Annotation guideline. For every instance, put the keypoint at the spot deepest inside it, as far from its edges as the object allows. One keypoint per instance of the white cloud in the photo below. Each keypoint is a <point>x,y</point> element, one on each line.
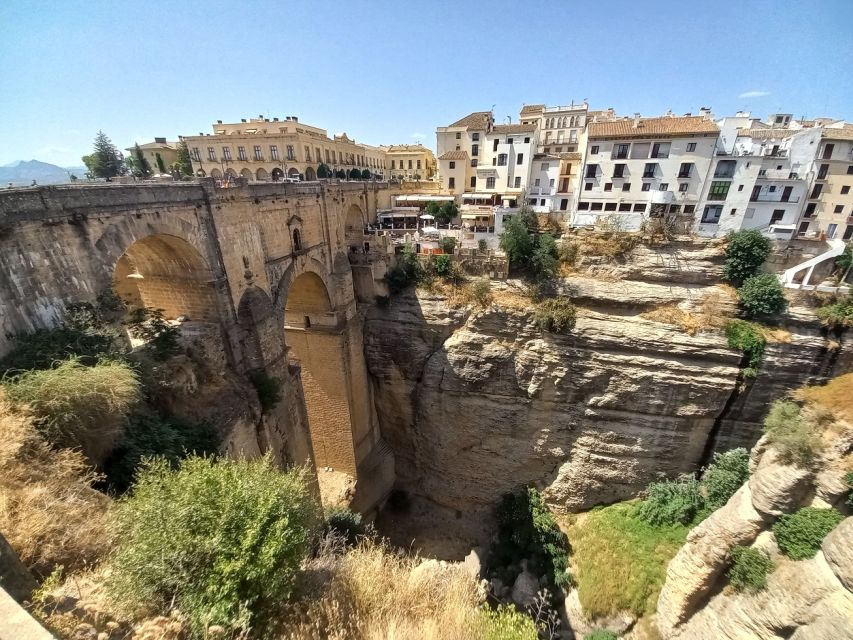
<point>754,94</point>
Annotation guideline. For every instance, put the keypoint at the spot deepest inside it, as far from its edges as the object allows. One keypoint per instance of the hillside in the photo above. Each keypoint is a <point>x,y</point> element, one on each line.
<point>23,172</point>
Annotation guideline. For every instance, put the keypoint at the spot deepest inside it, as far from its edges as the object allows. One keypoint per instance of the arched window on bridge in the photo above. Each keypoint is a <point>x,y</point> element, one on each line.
<point>297,241</point>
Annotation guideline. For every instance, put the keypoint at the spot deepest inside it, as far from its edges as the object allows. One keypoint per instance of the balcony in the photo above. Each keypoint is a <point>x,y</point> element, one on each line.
<point>777,153</point>
<point>773,174</point>
<point>662,197</point>
<point>726,175</point>
<point>772,197</point>
<point>684,174</point>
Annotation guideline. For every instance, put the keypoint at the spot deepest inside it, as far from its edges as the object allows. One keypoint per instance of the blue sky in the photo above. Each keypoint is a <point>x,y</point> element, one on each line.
<point>390,72</point>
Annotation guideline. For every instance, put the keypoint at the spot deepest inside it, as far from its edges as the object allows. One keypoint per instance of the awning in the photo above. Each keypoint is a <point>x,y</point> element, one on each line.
<point>479,196</point>
<point>476,216</point>
<point>423,198</point>
<point>427,216</point>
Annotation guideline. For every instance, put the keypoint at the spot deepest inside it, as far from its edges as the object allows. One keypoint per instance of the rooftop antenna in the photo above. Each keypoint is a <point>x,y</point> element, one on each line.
<point>509,119</point>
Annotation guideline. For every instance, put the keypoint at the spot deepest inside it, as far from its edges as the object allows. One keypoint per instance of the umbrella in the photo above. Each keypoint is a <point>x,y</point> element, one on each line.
<point>429,230</point>
<point>427,216</point>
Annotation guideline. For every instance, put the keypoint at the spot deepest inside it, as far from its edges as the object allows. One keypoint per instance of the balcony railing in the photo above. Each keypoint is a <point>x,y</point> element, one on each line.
<point>728,175</point>
<point>778,175</point>
<point>683,174</point>
<point>775,198</point>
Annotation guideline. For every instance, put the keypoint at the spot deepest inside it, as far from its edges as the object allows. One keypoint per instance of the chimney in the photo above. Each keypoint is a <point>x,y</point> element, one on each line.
<point>636,120</point>
<point>275,119</point>
<point>219,122</point>
<point>294,118</point>
<point>160,140</point>
<point>261,116</point>
<point>242,119</point>
<point>705,111</point>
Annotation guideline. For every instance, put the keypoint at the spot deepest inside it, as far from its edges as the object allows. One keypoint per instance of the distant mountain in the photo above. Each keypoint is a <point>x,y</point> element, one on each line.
<point>23,172</point>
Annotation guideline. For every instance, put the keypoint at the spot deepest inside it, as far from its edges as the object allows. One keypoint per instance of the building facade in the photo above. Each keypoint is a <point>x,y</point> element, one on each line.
<point>166,151</point>
<point>560,128</point>
<point>635,168</point>
<point>273,149</point>
<point>829,206</point>
<point>409,161</point>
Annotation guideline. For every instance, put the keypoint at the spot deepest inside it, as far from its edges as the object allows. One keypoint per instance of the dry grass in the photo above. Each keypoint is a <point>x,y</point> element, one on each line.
<point>713,311</point>
<point>377,594</point>
<point>671,314</point>
<point>513,299</point>
<point>835,396</point>
<point>48,510</point>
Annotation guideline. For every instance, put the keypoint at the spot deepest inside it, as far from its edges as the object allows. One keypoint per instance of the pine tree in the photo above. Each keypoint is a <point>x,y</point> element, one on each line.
<point>138,162</point>
<point>184,161</point>
<point>105,161</point>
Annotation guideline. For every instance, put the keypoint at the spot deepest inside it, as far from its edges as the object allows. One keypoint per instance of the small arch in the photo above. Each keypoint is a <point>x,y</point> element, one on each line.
<point>293,172</point>
<point>297,240</point>
<point>277,174</point>
<point>231,173</point>
<point>261,174</point>
<point>310,174</point>
<point>216,174</point>
<point>259,331</point>
<point>247,174</point>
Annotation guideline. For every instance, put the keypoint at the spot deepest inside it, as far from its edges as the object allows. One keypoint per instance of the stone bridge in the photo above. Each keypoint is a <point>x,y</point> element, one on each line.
<point>261,268</point>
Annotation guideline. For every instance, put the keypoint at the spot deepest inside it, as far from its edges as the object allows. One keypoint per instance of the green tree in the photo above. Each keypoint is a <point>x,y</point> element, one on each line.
<point>762,295</point>
<point>185,164</point>
<point>354,174</point>
<point>746,252</point>
<point>73,178</point>
<point>447,213</point>
<point>323,171</point>
<point>139,166</point>
<point>800,534</point>
<point>161,166</point>
<point>516,241</point>
<point>447,244</point>
<point>105,161</point>
<point>545,258</point>
<point>433,208</point>
<point>365,174</point>
<point>340,174</point>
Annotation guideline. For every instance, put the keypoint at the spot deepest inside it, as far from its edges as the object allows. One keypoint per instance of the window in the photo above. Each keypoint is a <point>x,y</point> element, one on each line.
<point>527,141</point>
<point>762,173</point>
<point>495,145</point>
<point>640,206</point>
<point>226,153</point>
<point>452,165</point>
<point>649,170</point>
<point>475,137</point>
<point>719,190</point>
<point>750,213</point>
<point>517,182</point>
<point>211,154</point>
<point>610,206</point>
<point>827,151</point>
<point>821,173</point>
<point>691,146</point>
<point>664,186</point>
<point>594,149</point>
<point>475,150</point>
<point>308,154</point>
<point>458,135</point>
<point>620,151</point>
<point>689,208</point>
<point>675,208</point>
<point>845,190</point>
<point>551,182</point>
<point>490,183</point>
<point>591,170</point>
<point>536,182</point>
<point>772,189</point>
<point>810,207</point>
<point>393,167</point>
<point>587,186</point>
<point>451,183</point>
<point>519,159</point>
<point>608,186</point>
<point>410,164</point>
<point>625,206</point>
<point>419,164</point>
<point>685,169</point>
<point>712,214</point>
<point>626,186</point>
<point>619,171</point>
<point>473,182</point>
<point>327,156</point>
<point>850,169</point>
<point>583,206</point>
<point>291,154</point>
<point>258,155</point>
<point>274,152</point>
<point>683,187</point>
<point>564,204</point>
<point>545,166</point>
<point>830,230</point>
<point>777,216</point>
<point>474,162</point>
<point>647,186</point>
<point>297,240</point>
<point>502,159</point>
<point>740,187</point>
<point>596,206</point>
<point>725,169</point>
<point>816,191</point>
<point>509,140</point>
<point>839,208</point>
<point>660,150</point>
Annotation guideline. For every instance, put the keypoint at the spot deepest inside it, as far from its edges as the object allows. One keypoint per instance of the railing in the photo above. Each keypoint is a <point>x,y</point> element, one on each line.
<point>773,174</point>
<point>774,198</point>
<point>726,175</point>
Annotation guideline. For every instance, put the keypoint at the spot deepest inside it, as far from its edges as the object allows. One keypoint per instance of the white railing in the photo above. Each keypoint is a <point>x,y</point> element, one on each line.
<point>836,248</point>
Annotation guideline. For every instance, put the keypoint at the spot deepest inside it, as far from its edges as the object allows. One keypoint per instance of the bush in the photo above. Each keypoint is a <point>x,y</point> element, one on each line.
<point>221,540</point>
<point>527,530</point>
<point>481,291</point>
<point>747,337</point>
<point>799,535</point>
<point>79,406</point>
<point>516,242</point>
<point>482,245</point>
<point>151,327</point>
<point>601,634</point>
<point>345,523</point>
<point>365,174</point>
<point>724,476</point>
<point>790,434</point>
<point>568,252</point>
<point>556,315</point>
<point>838,314</point>
<point>505,623</point>
<point>407,272</point>
<point>849,480</point>
<point>746,252</point>
<point>443,266</point>
<point>149,436</point>
<point>762,295</point>
<point>544,258</point>
<point>447,244</point>
<point>749,569</point>
<point>672,502</point>
<point>268,389</point>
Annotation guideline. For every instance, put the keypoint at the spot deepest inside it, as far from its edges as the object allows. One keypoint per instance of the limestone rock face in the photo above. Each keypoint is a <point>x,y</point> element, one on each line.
<point>777,488</point>
<point>524,589</point>
<point>838,550</point>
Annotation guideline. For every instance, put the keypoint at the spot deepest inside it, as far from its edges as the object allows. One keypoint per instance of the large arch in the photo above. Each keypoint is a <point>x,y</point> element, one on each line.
<point>216,174</point>
<point>231,173</point>
<point>277,174</point>
<point>293,172</point>
<point>310,174</point>
<point>247,173</point>
<point>262,174</point>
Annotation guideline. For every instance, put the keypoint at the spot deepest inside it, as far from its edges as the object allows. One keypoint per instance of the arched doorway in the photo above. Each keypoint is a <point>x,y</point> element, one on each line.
<point>310,174</point>
<point>216,174</point>
<point>262,174</point>
<point>354,227</point>
<point>247,174</point>
<point>293,172</point>
<point>277,174</point>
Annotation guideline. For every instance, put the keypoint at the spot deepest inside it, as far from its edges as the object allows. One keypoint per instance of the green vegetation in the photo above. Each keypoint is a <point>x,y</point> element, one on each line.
<point>620,559</point>
<point>147,436</point>
<point>78,406</point>
<point>407,272</point>
<point>748,338</point>
<point>672,502</point>
<point>221,540</point>
<point>446,213</point>
<point>601,634</point>
<point>516,242</point>
<point>845,260</point>
<point>568,252</point>
<point>481,291</point>
<point>105,161</point>
<point>799,535</point>
<point>482,245</point>
<point>184,164</point>
<point>527,531</point>
<point>443,265</point>
<point>160,337</point>
<point>161,166</point>
<point>544,259</point>
<point>762,295</point>
<point>556,315</point>
<point>344,522</point>
<point>138,164</point>
<point>447,244</point>
<point>340,174</point>
<point>505,623</point>
<point>723,477</point>
<point>838,314</point>
<point>746,252</point>
<point>268,389</point>
<point>749,569</point>
<point>365,174</point>
<point>790,433</point>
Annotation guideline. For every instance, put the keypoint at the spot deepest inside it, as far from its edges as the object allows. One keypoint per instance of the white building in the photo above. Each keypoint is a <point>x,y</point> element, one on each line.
<point>638,167</point>
<point>560,128</point>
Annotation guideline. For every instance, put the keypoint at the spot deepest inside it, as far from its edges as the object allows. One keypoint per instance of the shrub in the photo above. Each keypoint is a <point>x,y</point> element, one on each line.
<point>749,569</point>
<point>345,523</point>
<point>838,314</point>
<point>556,315</point>
<point>481,291</point>
<point>790,434</point>
<point>762,295</point>
<point>544,258</point>
<point>149,436</point>
<point>505,623</point>
<point>49,512</point>
<point>672,502</point>
<point>151,327</point>
<point>568,252</point>
<point>746,252</point>
<point>221,540</point>
<point>268,389</point>
<point>407,272</point>
<point>527,530</point>
<point>747,337</point>
<point>799,535</point>
<point>443,265</point>
<point>78,406</point>
<point>601,634</point>
<point>365,174</point>
<point>516,242</point>
<point>482,245</point>
<point>845,260</point>
<point>724,476</point>
<point>849,480</point>
<point>447,244</point>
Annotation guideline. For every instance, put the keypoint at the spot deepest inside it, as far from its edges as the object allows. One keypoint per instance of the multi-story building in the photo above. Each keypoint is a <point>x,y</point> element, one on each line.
<point>560,128</point>
<point>640,167</point>
<point>167,152</point>
<point>459,147</point>
<point>829,206</point>
<point>758,177</point>
<point>272,149</point>
<point>409,161</point>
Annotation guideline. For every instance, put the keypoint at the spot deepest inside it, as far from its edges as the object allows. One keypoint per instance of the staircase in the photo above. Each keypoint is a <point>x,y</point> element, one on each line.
<point>836,248</point>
